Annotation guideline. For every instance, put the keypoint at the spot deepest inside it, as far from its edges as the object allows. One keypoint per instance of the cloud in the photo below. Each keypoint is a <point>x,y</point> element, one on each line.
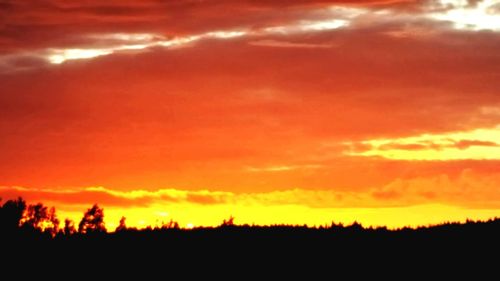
<point>73,197</point>
<point>89,45</point>
<point>113,198</point>
<point>198,116</point>
<point>411,146</point>
<point>285,44</point>
<point>469,189</point>
<point>466,189</point>
<point>476,144</point>
<point>429,145</point>
<point>283,168</point>
<point>465,144</point>
<point>60,32</point>
<point>220,106</point>
<point>470,15</point>
<point>37,23</point>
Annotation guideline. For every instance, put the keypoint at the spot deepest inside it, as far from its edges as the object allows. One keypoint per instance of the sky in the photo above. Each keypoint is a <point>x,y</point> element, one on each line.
<point>385,112</point>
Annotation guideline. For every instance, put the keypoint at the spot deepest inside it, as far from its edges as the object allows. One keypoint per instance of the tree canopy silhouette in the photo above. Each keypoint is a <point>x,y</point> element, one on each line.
<point>11,214</point>
<point>92,221</point>
<point>41,218</point>
<point>69,227</point>
<point>228,223</point>
<point>122,226</point>
<point>275,242</point>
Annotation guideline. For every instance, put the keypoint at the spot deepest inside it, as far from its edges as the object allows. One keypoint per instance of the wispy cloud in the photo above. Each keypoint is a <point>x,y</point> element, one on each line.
<point>282,168</point>
<point>286,44</point>
<point>474,144</point>
<point>483,15</point>
<point>468,189</point>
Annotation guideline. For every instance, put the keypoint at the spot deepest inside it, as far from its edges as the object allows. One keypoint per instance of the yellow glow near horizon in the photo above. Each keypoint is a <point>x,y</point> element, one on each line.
<point>189,215</point>
<point>484,146</point>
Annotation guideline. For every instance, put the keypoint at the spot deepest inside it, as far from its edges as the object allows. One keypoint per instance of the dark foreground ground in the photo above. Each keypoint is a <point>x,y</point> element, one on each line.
<point>451,248</point>
<point>34,242</point>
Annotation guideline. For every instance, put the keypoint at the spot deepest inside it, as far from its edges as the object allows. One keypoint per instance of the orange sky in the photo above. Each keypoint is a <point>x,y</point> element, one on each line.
<point>385,112</point>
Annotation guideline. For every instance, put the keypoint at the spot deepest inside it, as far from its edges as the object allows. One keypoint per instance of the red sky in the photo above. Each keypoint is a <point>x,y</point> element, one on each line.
<point>202,109</point>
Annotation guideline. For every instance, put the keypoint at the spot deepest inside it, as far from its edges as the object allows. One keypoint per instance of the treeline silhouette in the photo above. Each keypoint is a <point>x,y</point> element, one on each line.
<point>34,229</point>
<point>17,217</point>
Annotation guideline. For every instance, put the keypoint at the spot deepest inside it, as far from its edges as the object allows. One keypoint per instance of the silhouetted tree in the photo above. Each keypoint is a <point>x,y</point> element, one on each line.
<point>122,226</point>
<point>41,218</point>
<point>92,221</point>
<point>11,214</point>
<point>228,222</point>
<point>69,227</point>
<point>53,227</point>
<point>355,227</point>
<point>170,225</point>
<point>35,216</point>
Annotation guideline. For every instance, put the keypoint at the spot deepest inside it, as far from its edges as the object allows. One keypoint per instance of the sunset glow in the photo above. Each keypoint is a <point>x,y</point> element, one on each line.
<point>293,112</point>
